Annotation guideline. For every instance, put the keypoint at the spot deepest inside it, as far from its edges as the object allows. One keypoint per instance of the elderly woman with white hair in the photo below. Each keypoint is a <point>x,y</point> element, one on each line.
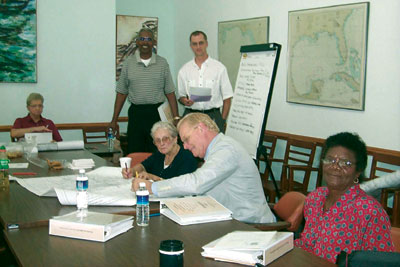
<point>169,161</point>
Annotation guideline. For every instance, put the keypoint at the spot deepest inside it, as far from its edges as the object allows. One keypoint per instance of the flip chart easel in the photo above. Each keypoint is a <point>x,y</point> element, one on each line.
<point>252,98</point>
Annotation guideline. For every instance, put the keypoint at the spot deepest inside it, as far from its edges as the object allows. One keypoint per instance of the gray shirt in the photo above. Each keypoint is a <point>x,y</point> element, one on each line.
<point>145,84</point>
<point>230,176</point>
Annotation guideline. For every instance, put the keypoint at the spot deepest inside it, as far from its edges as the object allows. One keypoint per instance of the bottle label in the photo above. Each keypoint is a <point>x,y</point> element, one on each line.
<point>4,163</point>
<point>82,185</point>
<point>142,200</point>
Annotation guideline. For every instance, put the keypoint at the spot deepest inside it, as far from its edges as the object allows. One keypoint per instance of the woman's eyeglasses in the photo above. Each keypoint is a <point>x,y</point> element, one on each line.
<point>165,139</point>
<point>343,163</point>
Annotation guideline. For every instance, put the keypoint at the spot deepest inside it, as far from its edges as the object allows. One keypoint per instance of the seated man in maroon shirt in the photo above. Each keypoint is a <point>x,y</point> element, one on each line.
<point>34,122</point>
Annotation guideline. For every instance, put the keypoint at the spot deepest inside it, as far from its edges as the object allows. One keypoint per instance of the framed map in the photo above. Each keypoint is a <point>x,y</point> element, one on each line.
<point>327,56</point>
<point>235,33</point>
<point>18,41</point>
<point>128,28</point>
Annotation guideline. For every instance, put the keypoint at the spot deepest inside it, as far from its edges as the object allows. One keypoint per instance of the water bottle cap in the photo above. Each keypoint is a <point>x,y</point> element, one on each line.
<point>81,171</point>
<point>142,184</point>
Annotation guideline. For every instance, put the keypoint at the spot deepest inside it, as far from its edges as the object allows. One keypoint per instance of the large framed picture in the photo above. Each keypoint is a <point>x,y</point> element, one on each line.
<point>235,33</point>
<point>18,41</point>
<point>327,50</point>
<point>128,28</point>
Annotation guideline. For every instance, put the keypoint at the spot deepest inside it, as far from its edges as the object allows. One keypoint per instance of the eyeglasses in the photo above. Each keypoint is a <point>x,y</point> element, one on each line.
<point>164,139</point>
<point>186,139</point>
<point>36,106</point>
<point>147,39</point>
<point>343,163</point>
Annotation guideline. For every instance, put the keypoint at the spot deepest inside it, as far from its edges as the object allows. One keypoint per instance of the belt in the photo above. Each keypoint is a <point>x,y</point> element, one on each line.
<point>204,110</point>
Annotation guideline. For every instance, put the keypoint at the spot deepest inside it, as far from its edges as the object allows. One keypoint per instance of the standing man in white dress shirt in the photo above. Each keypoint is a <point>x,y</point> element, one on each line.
<point>208,73</point>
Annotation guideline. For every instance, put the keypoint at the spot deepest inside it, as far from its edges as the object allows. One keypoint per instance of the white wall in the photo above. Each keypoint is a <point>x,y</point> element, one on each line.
<point>76,64</point>
<point>378,125</point>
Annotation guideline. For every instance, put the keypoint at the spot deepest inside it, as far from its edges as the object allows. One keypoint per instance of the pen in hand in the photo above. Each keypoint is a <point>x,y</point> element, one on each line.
<point>137,174</point>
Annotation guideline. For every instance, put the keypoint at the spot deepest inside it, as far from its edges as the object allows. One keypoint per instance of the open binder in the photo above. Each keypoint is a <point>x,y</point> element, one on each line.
<point>249,247</point>
<point>193,210</point>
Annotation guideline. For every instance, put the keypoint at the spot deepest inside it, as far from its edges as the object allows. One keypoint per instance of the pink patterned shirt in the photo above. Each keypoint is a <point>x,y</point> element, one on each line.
<point>355,222</point>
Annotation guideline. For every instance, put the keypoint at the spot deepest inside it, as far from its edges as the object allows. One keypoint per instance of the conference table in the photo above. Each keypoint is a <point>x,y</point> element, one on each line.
<point>33,246</point>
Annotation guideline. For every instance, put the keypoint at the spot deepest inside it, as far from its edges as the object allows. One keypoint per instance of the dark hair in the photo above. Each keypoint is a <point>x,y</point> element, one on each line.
<point>352,142</point>
<point>195,33</point>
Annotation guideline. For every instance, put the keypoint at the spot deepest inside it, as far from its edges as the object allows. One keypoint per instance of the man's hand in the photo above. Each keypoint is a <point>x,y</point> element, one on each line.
<point>40,129</point>
<point>135,184</point>
<point>113,125</point>
<point>186,101</point>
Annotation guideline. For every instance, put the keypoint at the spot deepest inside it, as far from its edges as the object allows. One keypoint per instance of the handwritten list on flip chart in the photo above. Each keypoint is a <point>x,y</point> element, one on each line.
<point>250,98</point>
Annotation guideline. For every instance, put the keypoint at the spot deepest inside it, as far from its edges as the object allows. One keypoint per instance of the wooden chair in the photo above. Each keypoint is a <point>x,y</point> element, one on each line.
<point>269,145</point>
<point>96,134</point>
<point>299,157</point>
<point>380,166</point>
<point>289,213</point>
<point>138,157</point>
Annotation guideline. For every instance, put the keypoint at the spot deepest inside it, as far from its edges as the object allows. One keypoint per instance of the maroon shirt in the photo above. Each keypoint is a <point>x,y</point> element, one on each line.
<point>27,122</point>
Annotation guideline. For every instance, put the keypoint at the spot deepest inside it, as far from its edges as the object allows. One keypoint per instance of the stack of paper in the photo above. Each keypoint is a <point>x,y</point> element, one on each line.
<point>94,226</point>
<point>249,248</point>
<point>82,164</point>
<point>192,210</point>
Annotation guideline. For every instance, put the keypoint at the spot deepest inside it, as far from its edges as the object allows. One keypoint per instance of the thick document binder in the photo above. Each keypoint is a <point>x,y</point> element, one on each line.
<point>193,210</point>
<point>95,226</point>
<point>249,247</point>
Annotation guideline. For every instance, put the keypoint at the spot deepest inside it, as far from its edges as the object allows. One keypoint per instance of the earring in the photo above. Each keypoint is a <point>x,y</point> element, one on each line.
<point>356,181</point>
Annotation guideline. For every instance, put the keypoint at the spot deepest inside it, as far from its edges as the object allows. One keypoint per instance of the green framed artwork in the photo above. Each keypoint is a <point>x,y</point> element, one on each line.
<point>127,31</point>
<point>18,41</point>
<point>327,50</point>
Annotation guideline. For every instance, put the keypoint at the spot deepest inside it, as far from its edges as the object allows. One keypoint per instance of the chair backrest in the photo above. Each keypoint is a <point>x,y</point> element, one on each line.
<point>269,144</point>
<point>138,157</point>
<point>383,164</point>
<point>301,153</point>
<point>290,208</point>
<point>96,134</point>
<point>380,164</point>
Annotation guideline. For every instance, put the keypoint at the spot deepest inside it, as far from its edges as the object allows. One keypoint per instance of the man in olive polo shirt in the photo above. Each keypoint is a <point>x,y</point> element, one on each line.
<point>146,80</point>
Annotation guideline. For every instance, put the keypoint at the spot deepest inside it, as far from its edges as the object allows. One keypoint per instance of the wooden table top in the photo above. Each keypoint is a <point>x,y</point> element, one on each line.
<point>137,247</point>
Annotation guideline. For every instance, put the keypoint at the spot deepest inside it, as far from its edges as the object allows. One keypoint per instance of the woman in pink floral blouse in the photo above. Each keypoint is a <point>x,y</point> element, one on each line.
<point>341,216</point>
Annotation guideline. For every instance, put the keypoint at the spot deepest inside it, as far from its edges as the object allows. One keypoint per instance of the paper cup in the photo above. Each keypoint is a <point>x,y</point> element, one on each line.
<point>125,162</point>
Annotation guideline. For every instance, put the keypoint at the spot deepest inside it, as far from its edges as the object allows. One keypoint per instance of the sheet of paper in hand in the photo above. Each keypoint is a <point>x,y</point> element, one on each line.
<point>200,94</point>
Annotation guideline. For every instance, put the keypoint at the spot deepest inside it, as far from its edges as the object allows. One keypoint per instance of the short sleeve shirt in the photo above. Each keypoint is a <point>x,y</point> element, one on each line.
<point>27,122</point>
<point>355,222</point>
<point>212,74</point>
<point>145,84</point>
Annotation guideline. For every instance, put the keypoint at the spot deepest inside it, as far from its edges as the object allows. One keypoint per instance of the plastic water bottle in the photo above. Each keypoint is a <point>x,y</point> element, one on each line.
<point>142,206</point>
<point>110,139</point>
<point>82,184</point>
<point>4,179</point>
